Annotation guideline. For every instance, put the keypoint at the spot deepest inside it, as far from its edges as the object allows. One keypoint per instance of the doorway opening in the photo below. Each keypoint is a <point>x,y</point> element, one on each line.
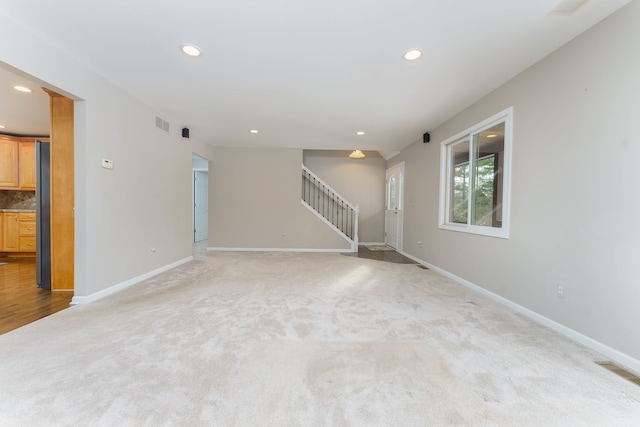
<point>28,119</point>
<point>200,198</point>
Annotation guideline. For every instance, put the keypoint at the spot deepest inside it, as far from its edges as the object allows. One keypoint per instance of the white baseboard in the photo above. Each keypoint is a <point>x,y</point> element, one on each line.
<point>217,249</point>
<point>123,285</point>
<point>372,243</point>
<point>624,360</point>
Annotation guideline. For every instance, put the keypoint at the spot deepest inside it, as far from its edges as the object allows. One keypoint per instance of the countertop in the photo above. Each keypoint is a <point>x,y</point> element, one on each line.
<point>17,210</point>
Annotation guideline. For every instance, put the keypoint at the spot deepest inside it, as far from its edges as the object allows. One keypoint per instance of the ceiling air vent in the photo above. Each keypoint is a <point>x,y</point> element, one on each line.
<point>162,124</point>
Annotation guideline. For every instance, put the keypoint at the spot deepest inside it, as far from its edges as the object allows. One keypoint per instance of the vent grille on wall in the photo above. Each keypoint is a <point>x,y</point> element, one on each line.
<point>162,124</point>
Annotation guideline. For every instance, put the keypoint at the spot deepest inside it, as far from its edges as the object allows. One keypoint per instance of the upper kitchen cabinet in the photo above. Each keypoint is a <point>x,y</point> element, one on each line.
<point>8,162</point>
<point>27,165</point>
<point>18,162</point>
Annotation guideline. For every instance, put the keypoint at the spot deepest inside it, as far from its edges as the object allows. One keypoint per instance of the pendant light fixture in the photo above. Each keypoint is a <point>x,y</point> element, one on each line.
<point>356,154</point>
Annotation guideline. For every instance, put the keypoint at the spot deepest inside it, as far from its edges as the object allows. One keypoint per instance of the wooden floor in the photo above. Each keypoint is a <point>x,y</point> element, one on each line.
<point>21,301</point>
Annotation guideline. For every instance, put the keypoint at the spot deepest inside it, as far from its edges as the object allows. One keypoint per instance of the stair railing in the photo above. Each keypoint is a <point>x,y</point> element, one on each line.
<point>330,206</point>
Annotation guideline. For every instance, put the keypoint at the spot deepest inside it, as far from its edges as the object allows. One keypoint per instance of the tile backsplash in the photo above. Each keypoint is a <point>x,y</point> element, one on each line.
<point>10,199</point>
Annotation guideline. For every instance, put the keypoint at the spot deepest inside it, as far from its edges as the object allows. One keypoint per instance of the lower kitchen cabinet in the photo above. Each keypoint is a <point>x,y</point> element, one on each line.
<point>11,232</point>
<point>27,239</point>
<point>18,232</point>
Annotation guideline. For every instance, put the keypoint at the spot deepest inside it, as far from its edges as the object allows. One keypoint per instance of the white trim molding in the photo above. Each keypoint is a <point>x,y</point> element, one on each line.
<point>127,283</point>
<point>218,249</point>
<point>624,360</point>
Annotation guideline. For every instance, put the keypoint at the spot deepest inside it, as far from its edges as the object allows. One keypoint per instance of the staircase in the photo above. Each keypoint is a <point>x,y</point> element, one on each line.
<point>330,207</point>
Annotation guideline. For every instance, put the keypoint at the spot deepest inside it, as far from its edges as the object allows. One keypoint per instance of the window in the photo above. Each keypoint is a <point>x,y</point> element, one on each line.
<point>475,178</point>
<point>392,203</point>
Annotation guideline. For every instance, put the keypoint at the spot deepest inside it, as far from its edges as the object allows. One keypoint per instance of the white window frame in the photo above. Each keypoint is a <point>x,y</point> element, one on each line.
<point>505,116</point>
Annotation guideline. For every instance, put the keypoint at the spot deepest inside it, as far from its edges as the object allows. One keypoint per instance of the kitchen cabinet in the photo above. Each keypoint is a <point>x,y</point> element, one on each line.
<point>18,163</point>
<point>18,232</point>
<point>11,232</point>
<point>8,162</point>
<point>27,232</point>
<point>27,164</point>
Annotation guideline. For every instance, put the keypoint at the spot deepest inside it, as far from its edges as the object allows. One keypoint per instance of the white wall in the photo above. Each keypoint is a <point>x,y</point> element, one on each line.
<point>145,200</point>
<point>575,204</point>
<point>360,181</point>
<point>255,202</point>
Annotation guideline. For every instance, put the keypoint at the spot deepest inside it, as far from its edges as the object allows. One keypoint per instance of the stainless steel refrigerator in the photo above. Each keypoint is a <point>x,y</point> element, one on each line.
<point>43,215</point>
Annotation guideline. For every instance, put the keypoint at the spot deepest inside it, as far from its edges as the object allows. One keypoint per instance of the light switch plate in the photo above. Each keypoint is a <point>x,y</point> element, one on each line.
<point>107,164</point>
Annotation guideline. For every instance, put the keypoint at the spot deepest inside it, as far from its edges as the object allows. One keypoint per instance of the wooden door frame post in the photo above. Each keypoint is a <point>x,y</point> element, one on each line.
<point>62,192</point>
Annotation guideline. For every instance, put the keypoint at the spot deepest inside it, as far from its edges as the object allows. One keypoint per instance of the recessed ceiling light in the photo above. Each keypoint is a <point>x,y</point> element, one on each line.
<point>360,133</point>
<point>254,131</point>
<point>191,50</point>
<point>22,89</point>
<point>413,54</point>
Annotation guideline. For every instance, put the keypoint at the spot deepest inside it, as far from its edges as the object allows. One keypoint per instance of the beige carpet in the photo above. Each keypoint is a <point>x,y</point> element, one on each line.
<point>280,339</point>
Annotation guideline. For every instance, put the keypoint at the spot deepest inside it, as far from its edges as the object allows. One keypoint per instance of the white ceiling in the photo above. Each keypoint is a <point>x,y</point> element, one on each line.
<point>305,73</point>
<point>22,113</point>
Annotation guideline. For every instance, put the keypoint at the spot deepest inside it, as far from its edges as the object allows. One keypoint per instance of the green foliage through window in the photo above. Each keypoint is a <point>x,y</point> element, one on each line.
<point>483,197</point>
<point>461,194</point>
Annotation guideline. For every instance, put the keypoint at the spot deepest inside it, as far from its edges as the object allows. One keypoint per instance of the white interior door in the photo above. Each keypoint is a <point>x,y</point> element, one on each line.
<point>394,202</point>
<point>200,206</point>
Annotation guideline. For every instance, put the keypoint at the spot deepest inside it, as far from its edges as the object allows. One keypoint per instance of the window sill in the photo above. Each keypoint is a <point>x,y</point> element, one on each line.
<point>500,233</point>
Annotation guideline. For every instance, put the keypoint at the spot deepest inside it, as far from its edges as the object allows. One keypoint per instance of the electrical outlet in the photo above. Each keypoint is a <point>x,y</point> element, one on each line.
<point>560,290</point>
